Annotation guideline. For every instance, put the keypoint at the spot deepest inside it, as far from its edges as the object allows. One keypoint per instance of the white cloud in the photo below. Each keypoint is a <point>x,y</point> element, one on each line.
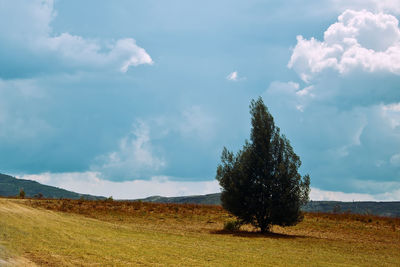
<point>318,194</point>
<point>25,25</point>
<point>360,40</point>
<point>92,183</point>
<point>390,191</point>
<point>121,55</point>
<point>143,152</point>
<point>133,159</point>
<point>322,195</point>
<point>234,77</point>
<point>129,53</point>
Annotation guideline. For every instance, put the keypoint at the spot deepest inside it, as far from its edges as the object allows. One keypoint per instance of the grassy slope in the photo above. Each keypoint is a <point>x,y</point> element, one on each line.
<point>63,232</point>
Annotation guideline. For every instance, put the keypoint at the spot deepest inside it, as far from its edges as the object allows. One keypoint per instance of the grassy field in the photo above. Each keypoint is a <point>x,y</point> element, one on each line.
<point>101,233</point>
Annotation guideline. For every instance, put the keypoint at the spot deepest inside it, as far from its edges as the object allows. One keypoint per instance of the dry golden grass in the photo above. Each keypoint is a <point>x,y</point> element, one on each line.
<point>101,233</point>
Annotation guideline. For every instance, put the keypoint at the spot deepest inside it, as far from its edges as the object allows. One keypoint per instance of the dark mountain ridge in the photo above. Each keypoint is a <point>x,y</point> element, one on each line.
<point>11,186</point>
<point>389,209</point>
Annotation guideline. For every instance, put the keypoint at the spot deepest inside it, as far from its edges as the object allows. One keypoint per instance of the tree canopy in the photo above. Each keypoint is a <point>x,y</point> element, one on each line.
<point>260,183</point>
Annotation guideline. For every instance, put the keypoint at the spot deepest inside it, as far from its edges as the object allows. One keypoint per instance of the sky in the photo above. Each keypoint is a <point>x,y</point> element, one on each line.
<point>131,98</point>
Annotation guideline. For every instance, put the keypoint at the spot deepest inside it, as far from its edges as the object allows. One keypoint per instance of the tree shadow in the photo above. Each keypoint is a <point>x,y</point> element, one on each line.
<point>253,234</point>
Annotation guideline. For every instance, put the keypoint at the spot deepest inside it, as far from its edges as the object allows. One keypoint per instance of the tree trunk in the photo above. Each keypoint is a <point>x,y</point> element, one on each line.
<point>265,228</point>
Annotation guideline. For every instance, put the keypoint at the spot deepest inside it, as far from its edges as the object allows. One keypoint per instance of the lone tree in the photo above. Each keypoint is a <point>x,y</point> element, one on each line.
<point>21,193</point>
<point>261,184</point>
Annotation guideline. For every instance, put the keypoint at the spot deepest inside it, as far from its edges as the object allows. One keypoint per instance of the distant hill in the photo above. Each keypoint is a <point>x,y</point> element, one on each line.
<point>211,199</point>
<point>10,186</point>
<point>390,209</point>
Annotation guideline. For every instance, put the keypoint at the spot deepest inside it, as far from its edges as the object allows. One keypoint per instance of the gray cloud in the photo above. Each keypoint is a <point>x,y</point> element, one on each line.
<point>29,47</point>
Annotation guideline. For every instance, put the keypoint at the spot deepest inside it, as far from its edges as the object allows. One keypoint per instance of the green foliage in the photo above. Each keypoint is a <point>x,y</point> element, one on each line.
<point>21,193</point>
<point>261,184</point>
<point>232,225</point>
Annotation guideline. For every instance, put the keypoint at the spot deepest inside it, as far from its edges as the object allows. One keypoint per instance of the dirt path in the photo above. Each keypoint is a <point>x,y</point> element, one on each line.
<point>17,262</point>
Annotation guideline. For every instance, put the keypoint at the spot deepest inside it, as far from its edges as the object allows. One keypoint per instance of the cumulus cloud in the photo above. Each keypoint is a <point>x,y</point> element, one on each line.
<point>344,120</point>
<point>144,151</point>
<point>360,40</point>
<point>121,54</point>
<point>93,183</point>
<point>135,157</point>
<point>25,29</point>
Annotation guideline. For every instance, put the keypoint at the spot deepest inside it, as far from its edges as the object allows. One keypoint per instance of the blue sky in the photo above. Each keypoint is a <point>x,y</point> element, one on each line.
<point>137,98</point>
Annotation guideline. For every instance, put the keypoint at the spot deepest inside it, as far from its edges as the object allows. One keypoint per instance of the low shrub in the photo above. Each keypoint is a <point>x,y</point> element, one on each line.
<point>232,225</point>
